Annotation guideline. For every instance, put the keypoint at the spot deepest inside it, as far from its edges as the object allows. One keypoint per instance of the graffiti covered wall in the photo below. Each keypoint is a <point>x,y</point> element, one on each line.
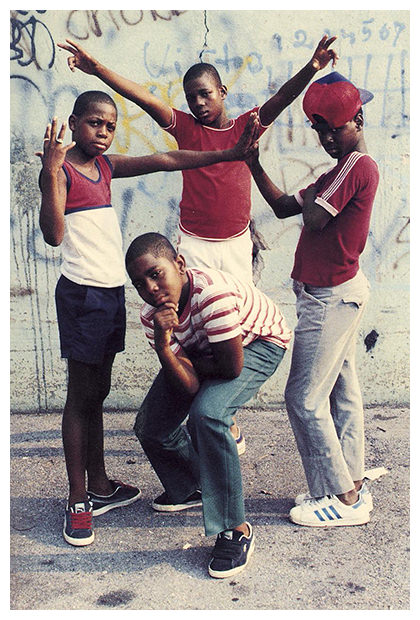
<point>255,52</point>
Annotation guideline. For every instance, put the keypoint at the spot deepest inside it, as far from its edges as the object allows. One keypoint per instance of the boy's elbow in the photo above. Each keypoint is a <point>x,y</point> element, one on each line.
<point>232,372</point>
<point>313,226</point>
<point>52,239</point>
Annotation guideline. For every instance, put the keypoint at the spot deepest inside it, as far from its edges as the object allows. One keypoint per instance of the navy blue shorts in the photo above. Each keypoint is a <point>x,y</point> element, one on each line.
<point>91,320</point>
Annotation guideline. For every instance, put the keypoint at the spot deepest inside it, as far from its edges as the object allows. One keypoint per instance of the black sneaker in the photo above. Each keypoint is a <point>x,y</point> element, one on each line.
<point>163,504</point>
<point>123,495</point>
<point>231,553</point>
<point>77,529</point>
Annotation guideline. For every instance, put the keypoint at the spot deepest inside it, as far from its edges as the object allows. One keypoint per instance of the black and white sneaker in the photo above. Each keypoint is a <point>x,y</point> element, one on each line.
<point>77,528</point>
<point>123,495</point>
<point>163,503</point>
<point>231,553</point>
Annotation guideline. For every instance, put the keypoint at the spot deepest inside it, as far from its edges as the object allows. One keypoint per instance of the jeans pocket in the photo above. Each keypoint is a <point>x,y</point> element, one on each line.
<point>356,300</point>
<point>312,297</point>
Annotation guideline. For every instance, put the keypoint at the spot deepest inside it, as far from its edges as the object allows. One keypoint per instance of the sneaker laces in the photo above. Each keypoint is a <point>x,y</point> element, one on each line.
<point>226,548</point>
<point>81,520</point>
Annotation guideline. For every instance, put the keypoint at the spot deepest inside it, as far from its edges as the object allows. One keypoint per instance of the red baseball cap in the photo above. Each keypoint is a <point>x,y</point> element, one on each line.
<point>335,99</point>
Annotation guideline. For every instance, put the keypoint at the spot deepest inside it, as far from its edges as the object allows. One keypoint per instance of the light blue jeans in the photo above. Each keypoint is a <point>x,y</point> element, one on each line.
<point>323,396</point>
<point>204,456</point>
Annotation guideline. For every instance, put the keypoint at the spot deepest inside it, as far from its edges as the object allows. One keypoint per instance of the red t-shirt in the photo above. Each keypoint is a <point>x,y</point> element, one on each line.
<point>331,256</point>
<point>216,199</point>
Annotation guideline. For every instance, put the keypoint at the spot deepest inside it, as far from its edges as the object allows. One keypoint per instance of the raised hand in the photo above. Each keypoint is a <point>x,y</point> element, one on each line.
<point>80,59</point>
<point>54,152</point>
<point>248,142</point>
<point>323,54</point>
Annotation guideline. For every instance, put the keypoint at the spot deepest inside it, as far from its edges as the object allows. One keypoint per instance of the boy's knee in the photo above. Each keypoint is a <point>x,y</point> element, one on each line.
<point>139,426</point>
<point>205,414</point>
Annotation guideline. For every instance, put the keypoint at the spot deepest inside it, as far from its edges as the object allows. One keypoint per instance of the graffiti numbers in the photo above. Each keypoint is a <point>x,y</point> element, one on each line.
<point>369,29</point>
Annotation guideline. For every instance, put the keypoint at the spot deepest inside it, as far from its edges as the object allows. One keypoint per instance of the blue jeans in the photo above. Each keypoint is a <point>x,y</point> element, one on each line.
<point>204,455</point>
<point>323,397</point>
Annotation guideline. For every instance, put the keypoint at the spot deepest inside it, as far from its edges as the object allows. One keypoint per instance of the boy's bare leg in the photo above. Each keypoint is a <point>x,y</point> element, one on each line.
<point>82,429</point>
<point>97,480</point>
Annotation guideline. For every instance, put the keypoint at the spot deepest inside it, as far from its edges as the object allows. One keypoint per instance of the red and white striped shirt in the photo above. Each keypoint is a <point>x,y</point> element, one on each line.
<point>221,307</point>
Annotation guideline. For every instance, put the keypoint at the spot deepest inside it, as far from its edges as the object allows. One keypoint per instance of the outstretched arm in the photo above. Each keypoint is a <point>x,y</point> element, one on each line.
<point>80,59</point>
<point>293,87</point>
<point>180,160</point>
<point>282,204</point>
<point>53,184</point>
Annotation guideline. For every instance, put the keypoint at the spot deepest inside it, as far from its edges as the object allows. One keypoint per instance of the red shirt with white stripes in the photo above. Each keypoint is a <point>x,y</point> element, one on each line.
<point>220,307</point>
<point>331,256</point>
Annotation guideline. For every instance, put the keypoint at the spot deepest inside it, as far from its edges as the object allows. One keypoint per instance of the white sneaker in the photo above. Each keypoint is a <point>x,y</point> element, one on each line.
<point>328,511</point>
<point>240,442</point>
<point>364,492</point>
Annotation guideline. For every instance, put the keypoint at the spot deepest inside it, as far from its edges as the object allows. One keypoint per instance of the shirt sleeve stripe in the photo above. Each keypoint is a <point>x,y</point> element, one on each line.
<point>339,179</point>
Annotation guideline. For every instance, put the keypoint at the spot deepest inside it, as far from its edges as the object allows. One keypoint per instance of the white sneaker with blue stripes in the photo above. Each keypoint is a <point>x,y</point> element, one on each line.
<point>364,492</point>
<point>329,511</point>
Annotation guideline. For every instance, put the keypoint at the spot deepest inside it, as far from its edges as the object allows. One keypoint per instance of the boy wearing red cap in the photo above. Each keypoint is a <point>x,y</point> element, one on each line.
<point>323,397</point>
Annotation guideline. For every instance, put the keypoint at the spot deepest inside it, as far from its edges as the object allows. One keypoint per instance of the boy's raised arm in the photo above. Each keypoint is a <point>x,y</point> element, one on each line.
<point>282,204</point>
<point>53,184</point>
<point>293,87</point>
<point>80,59</point>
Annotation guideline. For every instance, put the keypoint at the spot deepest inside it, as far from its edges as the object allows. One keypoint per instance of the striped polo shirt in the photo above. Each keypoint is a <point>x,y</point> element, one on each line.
<point>221,307</point>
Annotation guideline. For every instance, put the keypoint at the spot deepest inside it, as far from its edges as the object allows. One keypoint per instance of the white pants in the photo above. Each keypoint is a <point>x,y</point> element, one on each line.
<point>231,255</point>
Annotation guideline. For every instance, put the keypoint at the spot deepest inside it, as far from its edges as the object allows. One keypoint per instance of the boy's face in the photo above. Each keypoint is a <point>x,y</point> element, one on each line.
<point>205,99</point>
<point>94,130</point>
<point>339,141</point>
<point>159,280</point>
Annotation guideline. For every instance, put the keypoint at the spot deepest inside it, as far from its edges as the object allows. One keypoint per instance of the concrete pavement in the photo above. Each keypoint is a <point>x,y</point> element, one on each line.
<point>143,560</point>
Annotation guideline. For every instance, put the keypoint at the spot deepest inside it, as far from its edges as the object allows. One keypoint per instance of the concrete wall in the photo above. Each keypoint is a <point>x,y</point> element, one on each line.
<point>255,52</point>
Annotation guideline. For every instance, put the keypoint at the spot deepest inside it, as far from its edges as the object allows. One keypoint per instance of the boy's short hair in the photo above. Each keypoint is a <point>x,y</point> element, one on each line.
<point>199,69</point>
<point>84,100</point>
<point>150,243</point>
<point>335,99</point>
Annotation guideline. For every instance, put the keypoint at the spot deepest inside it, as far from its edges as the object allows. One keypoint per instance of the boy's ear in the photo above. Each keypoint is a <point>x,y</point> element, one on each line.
<point>180,261</point>
<point>223,91</point>
<point>359,120</point>
<point>72,121</point>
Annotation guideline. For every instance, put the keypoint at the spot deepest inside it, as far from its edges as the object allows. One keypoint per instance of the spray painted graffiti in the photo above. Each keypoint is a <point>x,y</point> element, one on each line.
<point>28,34</point>
<point>42,87</point>
<point>80,24</point>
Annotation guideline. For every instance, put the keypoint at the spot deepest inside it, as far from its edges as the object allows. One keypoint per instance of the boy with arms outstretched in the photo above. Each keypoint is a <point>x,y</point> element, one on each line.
<point>216,202</point>
<point>218,339</point>
<point>215,208</point>
<point>76,213</point>
<point>323,396</point>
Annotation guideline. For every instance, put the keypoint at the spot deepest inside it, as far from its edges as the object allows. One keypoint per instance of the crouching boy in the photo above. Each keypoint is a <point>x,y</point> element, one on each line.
<point>218,340</point>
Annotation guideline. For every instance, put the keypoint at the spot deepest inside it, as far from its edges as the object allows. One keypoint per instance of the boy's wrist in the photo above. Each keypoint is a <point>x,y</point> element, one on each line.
<point>314,65</point>
<point>97,68</point>
<point>50,172</point>
<point>230,154</point>
<point>255,166</point>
